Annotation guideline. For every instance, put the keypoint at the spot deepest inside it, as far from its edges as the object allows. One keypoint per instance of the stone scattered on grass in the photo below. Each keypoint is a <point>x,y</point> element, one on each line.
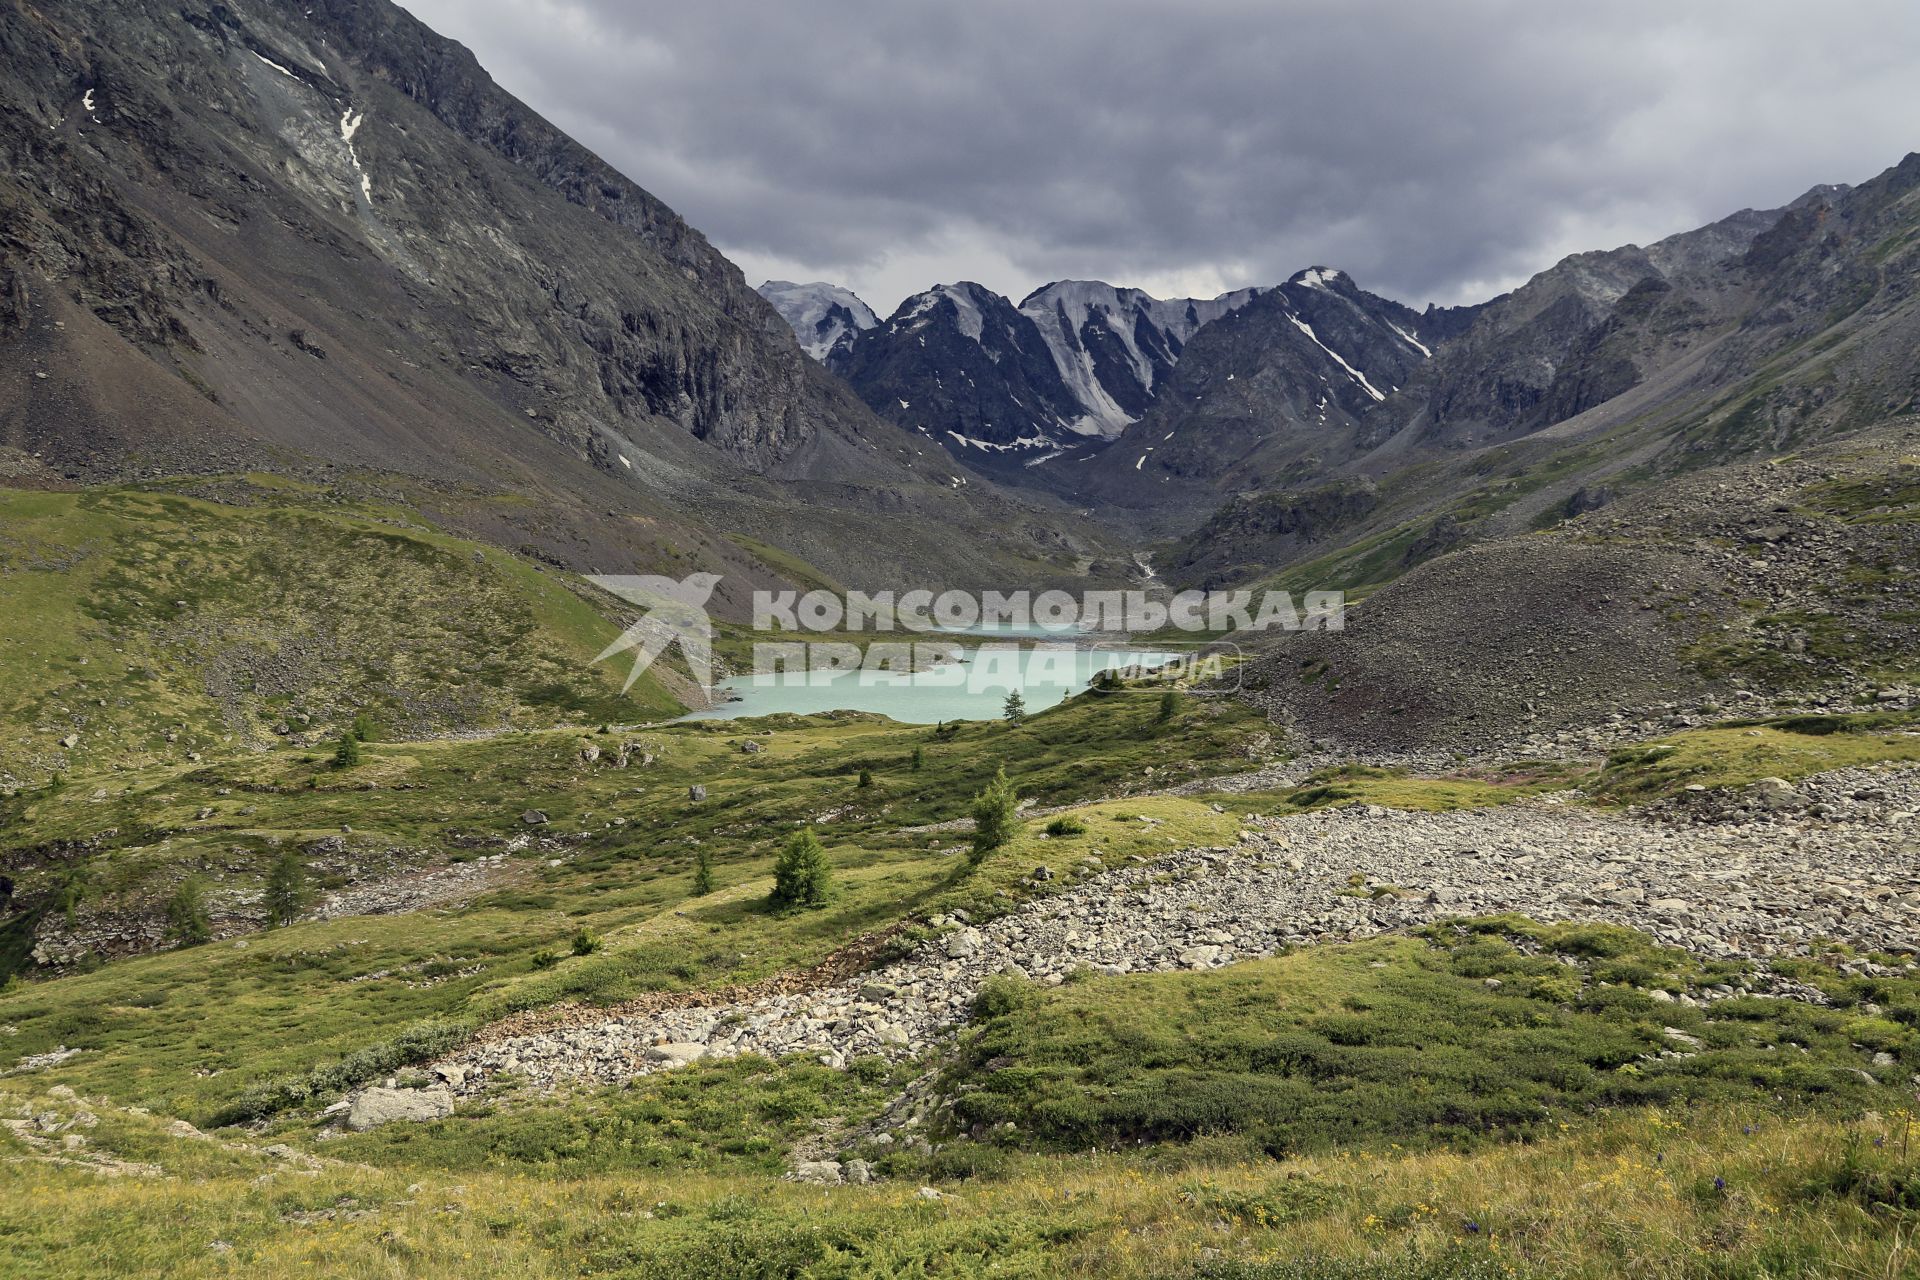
<point>375,1107</point>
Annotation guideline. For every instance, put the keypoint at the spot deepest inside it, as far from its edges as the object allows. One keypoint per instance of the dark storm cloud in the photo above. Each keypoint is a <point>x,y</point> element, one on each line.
<point>1435,151</point>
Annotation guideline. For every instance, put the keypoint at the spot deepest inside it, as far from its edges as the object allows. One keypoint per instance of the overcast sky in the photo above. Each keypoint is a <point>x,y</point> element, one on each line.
<point>1436,151</point>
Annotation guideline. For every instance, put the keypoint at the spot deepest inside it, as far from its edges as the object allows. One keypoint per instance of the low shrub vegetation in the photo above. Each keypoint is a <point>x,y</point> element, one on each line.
<point>1496,1029</point>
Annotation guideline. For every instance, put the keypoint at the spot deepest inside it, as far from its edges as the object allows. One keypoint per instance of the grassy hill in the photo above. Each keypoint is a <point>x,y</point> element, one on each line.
<point>148,624</point>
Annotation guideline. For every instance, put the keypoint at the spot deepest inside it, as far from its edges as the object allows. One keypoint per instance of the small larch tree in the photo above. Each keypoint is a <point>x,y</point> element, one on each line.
<point>996,817</point>
<point>1169,706</point>
<point>287,894</point>
<point>187,920</point>
<point>346,753</point>
<point>801,876</point>
<point>1015,709</point>
<point>702,874</point>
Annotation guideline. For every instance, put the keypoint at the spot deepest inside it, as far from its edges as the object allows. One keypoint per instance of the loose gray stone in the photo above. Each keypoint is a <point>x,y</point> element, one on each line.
<point>376,1107</point>
<point>826,1172</point>
<point>675,1054</point>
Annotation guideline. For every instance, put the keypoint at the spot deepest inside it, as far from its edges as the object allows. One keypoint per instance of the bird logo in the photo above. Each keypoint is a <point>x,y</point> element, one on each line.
<point>675,613</point>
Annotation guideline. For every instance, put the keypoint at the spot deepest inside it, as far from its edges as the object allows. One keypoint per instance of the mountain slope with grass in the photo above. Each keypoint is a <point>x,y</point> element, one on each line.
<point>166,622</point>
<point>1757,578</point>
<point>289,239</point>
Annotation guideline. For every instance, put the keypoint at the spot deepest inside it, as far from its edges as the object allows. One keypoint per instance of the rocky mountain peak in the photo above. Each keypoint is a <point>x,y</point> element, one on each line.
<point>1070,367</point>
<point>1113,346</point>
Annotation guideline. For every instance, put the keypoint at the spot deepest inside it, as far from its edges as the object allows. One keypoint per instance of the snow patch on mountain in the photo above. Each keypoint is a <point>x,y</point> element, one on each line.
<point>1024,442</point>
<point>350,125</point>
<point>1352,372</point>
<point>1069,312</point>
<point>1412,341</point>
<point>919,309</point>
<point>823,316</point>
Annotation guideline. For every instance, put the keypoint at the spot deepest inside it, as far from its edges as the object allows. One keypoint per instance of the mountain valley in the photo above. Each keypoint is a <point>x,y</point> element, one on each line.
<point>1555,914</point>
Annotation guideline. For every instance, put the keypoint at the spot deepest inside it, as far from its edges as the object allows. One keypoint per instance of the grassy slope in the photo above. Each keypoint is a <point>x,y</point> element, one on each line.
<point>138,613</point>
<point>190,1031</point>
<point>675,1176</point>
<point>1717,1193</point>
<point>1395,789</point>
<point>1727,756</point>
<point>305,996</point>
<point>1734,756</point>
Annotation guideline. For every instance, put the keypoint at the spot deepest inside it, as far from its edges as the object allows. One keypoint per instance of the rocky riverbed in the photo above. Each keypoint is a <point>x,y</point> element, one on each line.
<point>1769,872</point>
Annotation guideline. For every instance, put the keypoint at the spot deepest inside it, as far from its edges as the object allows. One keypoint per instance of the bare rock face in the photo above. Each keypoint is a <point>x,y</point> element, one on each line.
<point>1270,393</point>
<point>201,200</point>
<point>378,142</point>
<point>375,1107</point>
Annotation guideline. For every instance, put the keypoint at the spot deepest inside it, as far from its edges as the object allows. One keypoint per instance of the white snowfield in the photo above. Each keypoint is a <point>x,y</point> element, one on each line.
<point>918,311</point>
<point>1063,311</point>
<point>810,310</point>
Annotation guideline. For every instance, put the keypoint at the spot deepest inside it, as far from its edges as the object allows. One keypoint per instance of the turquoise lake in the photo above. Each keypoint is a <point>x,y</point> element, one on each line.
<point>974,687</point>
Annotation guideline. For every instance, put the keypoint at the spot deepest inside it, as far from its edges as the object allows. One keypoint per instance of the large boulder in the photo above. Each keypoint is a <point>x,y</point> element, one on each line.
<point>376,1107</point>
<point>963,943</point>
<point>1774,793</point>
<point>827,1172</point>
<point>675,1054</point>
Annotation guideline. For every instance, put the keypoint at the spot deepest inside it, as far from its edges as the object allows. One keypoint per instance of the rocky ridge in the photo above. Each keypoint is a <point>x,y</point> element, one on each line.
<point>1012,387</point>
